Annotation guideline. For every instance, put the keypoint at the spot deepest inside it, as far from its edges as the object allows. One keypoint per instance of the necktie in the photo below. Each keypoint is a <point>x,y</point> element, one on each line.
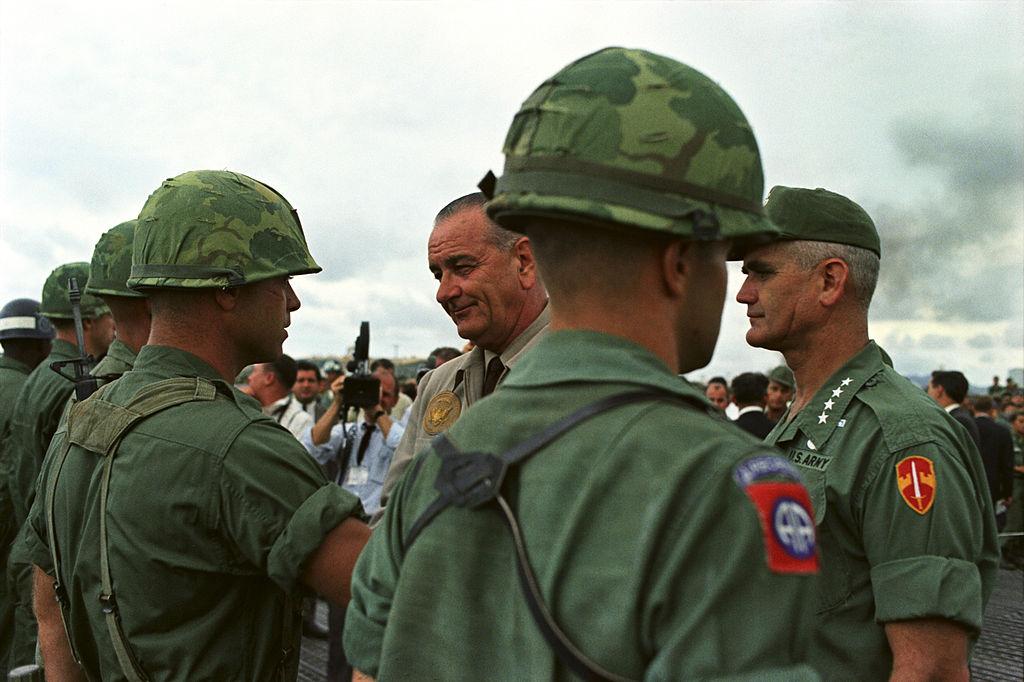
<point>364,443</point>
<point>494,372</point>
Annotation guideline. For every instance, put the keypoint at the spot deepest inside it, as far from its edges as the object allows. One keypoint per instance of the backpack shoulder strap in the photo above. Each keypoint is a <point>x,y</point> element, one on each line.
<point>99,426</point>
<point>473,479</point>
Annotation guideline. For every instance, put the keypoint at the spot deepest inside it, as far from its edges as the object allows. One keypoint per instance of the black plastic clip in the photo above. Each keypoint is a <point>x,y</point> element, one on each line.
<point>470,479</point>
<point>108,602</point>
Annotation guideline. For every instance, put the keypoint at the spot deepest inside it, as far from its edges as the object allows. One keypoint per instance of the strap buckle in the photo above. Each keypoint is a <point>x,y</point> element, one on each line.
<point>109,604</point>
<point>470,479</point>
<point>59,593</point>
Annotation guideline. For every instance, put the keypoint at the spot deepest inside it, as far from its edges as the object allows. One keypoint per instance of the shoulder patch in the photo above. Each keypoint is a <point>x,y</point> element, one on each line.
<point>763,466</point>
<point>787,523</point>
<point>916,482</point>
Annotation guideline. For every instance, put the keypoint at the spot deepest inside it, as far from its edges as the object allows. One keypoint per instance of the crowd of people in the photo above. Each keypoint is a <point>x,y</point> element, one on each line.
<point>554,498</point>
<point>756,402</point>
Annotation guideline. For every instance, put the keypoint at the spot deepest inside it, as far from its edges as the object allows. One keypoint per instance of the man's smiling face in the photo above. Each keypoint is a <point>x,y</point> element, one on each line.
<point>478,283</point>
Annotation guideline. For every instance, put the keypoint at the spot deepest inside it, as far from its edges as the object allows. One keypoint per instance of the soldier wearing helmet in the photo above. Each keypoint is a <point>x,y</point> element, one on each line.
<point>780,391</point>
<point>592,516</point>
<point>108,275</point>
<point>213,522</point>
<point>900,498</point>
<point>37,411</point>
<point>26,339</point>
<point>108,279</point>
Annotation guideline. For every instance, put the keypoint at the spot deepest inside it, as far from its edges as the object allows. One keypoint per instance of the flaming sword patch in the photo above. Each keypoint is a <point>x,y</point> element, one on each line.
<point>915,477</point>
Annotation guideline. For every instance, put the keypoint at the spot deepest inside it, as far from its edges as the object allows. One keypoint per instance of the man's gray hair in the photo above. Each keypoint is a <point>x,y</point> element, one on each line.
<point>863,265</point>
<point>498,236</point>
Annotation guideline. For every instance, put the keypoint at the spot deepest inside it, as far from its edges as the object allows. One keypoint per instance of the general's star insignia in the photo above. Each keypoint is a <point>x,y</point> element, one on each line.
<point>822,418</point>
<point>829,404</point>
<point>837,392</point>
<point>847,381</point>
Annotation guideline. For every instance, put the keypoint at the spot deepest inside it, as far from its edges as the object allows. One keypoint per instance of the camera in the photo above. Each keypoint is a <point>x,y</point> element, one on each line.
<point>361,389</point>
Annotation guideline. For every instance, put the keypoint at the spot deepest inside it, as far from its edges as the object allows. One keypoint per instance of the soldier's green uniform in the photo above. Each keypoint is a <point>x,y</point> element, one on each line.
<point>36,414</point>
<point>20,323</point>
<point>213,522</point>
<point>12,376</point>
<point>905,524</point>
<point>662,541</point>
<point>889,551</point>
<point>616,517</point>
<point>45,393</point>
<point>22,330</point>
<point>212,507</point>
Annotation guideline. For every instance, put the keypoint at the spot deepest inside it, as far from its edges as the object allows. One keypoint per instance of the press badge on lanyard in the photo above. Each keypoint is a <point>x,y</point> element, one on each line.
<point>358,475</point>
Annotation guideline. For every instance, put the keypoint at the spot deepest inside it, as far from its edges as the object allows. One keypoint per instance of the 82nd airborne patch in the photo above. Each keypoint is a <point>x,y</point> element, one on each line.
<point>784,510</point>
<point>915,478</point>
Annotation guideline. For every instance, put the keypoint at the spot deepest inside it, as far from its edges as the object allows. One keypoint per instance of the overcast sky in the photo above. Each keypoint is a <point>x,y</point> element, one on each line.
<point>370,117</point>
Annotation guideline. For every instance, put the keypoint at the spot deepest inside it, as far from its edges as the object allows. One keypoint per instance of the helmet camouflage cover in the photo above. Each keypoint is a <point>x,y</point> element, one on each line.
<point>57,306</point>
<point>112,262</point>
<point>636,139</point>
<point>216,229</point>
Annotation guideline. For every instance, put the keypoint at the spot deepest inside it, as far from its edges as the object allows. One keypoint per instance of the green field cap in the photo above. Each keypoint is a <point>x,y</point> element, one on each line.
<point>821,216</point>
<point>782,375</point>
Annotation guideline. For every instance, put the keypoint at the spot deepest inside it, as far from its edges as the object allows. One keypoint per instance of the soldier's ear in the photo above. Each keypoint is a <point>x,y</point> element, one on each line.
<point>227,298</point>
<point>673,266</point>
<point>835,279</point>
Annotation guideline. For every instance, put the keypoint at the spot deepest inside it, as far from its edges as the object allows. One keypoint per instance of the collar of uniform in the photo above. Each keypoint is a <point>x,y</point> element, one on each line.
<point>16,365</point>
<point>281,404</point>
<point>511,354</point>
<point>175,362</point>
<point>818,419</point>
<point>121,352</point>
<point>591,357</point>
<point>62,350</point>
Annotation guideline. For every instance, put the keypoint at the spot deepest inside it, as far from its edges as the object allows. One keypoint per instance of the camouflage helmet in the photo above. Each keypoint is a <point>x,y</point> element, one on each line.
<point>216,229</point>
<point>112,262</point>
<point>637,139</point>
<point>20,319</point>
<point>57,306</point>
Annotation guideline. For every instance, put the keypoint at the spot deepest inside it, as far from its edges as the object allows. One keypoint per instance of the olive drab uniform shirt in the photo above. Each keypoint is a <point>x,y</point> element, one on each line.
<point>12,375</point>
<point>37,412</point>
<point>118,360</point>
<point>211,511</point>
<point>36,415</point>
<point>649,528</point>
<point>905,523</point>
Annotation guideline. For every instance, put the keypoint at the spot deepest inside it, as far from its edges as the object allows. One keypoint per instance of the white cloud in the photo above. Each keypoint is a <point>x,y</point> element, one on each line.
<point>371,116</point>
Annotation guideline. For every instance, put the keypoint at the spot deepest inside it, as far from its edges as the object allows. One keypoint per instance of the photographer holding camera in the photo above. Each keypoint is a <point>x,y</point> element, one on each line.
<point>358,455</point>
<point>363,449</point>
